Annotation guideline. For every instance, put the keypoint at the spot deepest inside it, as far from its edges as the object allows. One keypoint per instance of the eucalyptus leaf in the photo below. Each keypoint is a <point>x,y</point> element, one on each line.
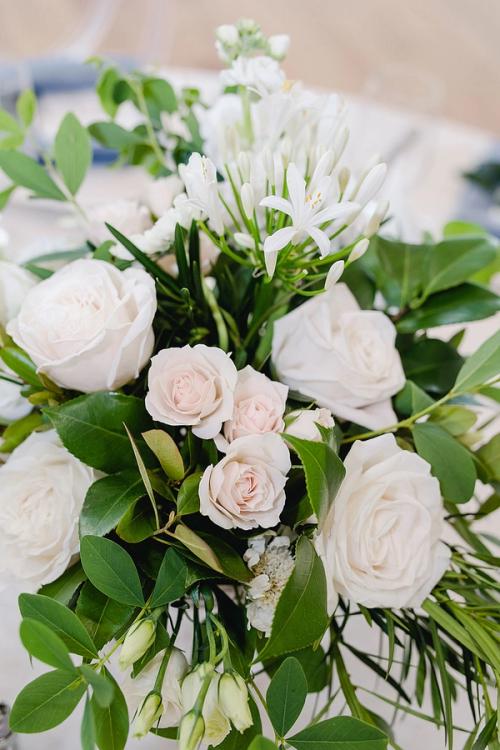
<point>73,152</point>
<point>286,695</point>
<point>25,171</point>
<point>450,462</point>
<point>46,702</point>
<point>111,569</point>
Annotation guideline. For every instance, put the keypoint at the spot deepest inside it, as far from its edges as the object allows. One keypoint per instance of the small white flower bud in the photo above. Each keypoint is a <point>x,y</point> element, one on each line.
<point>139,638</point>
<point>286,149</point>
<point>344,177</point>
<point>371,184</point>
<point>233,700</point>
<point>148,714</point>
<point>227,34</point>
<point>373,223</point>
<point>244,240</point>
<point>278,46</point>
<point>191,731</point>
<point>244,165</point>
<point>248,199</point>
<point>334,274</point>
<point>248,26</point>
<point>268,161</point>
<point>359,250</point>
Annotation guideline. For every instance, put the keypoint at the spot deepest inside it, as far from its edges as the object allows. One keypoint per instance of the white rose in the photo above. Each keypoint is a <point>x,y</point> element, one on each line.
<point>246,488</point>
<point>160,194</point>
<point>381,540</point>
<point>135,690</point>
<point>128,216</point>
<point>15,284</point>
<point>259,405</point>
<point>217,725</point>
<point>261,74</point>
<point>343,357</point>
<point>89,326</point>
<point>303,423</point>
<point>12,405</point>
<point>192,386</point>
<point>42,489</point>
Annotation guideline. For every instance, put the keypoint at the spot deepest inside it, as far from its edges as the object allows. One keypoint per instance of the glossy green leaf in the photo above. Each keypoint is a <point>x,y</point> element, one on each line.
<point>402,268</point>
<point>60,620</point>
<point>138,523</point>
<point>455,419</point>
<point>450,462</point>
<point>19,362</point>
<point>102,688</point>
<point>170,584</point>
<point>324,473</point>
<point>305,591</point>
<point>107,501</point>
<point>167,453</point>
<point>458,305</point>
<point>160,93</point>
<point>87,728</point>
<point>198,547</point>
<point>455,260</point>
<point>25,171</point>
<point>46,702</point>
<point>73,152</point>
<point>111,569</point>
<point>102,617</point>
<point>432,365</point>
<point>412,399</point>
<point>188,499</point>
<point>481,366</point>
<point>92,428</point>
<point>111,722</point>
<point>261,743</point>
<point>64,587</point>
<point>341,733</point>
<point>286,695</point>
<point>42,643</point>
<point>26,107</point>
<point>489,454</point>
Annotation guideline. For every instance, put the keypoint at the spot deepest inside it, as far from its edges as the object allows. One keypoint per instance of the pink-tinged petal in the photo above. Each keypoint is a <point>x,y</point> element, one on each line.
<point>296,187</point>
<point>335,211</point>
<point>278,240</point>
<point>321,239</point>
<point>279,204</point>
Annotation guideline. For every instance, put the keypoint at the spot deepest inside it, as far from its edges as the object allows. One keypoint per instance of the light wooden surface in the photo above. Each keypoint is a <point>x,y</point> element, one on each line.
<point>452,46</point>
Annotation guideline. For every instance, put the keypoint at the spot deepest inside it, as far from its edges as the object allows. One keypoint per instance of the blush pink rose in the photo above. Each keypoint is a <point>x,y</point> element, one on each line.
<point>246,488</point>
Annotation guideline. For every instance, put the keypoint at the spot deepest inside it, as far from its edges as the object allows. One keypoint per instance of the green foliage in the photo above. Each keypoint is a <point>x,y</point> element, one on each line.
<point>61,620</point>
<point>342,733</point>
<point>73,152</point>
<point>167,453</point>
<point>107,501</point>
<point>188,500</point>
<point>111,722</point>
<point>26,172</point>
<point>481,366</point>
<point>111,569</point>
<point>170,584</point>
<point>102,617</point>
<point>286,695</point>
<point>46,702</point>
<point>42,643</point>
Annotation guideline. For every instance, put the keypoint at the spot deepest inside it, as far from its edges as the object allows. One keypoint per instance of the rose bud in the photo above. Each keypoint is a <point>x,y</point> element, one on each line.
<point>140,637</point>
<point>148,714</point>
<point>233,700</point>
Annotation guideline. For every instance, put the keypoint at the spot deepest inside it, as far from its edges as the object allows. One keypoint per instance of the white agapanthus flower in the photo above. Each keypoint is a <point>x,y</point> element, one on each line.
<point>200,178</point>
<point>271,562</point>
<point>261,74</point>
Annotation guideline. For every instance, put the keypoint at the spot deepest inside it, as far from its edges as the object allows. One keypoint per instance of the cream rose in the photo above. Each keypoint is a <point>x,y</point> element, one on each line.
<point>246,488</point>
<point>15,283</point>
<point>303,423</point>
<point>42,489</point>
<point>381,541</point>
<point>89,326</point>
<point>259,405</point>
<point>192,386</point>
<point>343,357</point>
<point>135,690</point>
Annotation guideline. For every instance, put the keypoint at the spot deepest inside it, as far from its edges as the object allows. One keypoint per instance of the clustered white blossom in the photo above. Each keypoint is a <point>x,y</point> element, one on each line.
<point>271,561</point>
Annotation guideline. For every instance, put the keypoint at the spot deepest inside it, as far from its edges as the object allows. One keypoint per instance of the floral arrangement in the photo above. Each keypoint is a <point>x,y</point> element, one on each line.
<point>232,428</point>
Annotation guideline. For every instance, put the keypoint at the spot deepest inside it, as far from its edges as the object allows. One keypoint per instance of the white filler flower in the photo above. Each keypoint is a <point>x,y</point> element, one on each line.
<point>271,562</point>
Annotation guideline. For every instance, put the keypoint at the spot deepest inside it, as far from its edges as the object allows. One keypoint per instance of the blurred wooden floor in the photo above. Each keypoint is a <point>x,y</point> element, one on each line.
<point>453,44</point>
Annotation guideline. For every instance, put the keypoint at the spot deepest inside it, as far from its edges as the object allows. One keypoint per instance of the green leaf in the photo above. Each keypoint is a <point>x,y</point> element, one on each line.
<point>402,268</point>
<point>102,617</point>
<point>64,587</point>
<point>87,729</point>
<point>5,195</point>
<point>198,547</point>
<point>456,420</point>
<point>102,688</point>
<point>171,581</point>
<point>324,473</point>
<point>458,305</point>
<point>455,260</point>
<point>342,733</point>
<point>42,643</point>
<point>481,366</point>
<point>26,107</point>
<point>261,743</point>
<point>160,93</point>
<point>167,453</point>
<point>112,721</point>
<point>73,152</point>
<point>314,665</point>
<point>19,362</point>
<point>286,695</point>
<point>60,620</point>
<point>25,171</point>
<point>412,399</point>
<point>15,433</point>
<point>489,455</point>
<point>107,501</point>
<point>450,462</point>
<point>111,569</point>
<point>188,499</point>
<point>432,364</point>
<point>46,702</point>
<point>105,88</point>
<point>138,523</point>
<point>229,559</point>
<point>305,591</point>
<point>91,428</point>
<point>114,136</point>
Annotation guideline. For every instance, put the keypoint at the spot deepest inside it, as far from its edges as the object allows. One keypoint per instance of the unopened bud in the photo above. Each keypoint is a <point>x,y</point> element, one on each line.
<point>148,714</point>
<point>233,700</point>
<point>140,637</point>
<point>334,274</point>
<point>278,46</point>
<point>248,199</point>
<point>244,165</point>
<point>191,731</point>
<point>344,177</point>
<point>370,184</point>
<point>227,34</point>
<point>359,250</point>
<point>244,240</point>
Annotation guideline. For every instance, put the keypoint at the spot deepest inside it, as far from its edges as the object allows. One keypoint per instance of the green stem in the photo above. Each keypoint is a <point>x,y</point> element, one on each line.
<point>217,316</point>
<point>153,142</point>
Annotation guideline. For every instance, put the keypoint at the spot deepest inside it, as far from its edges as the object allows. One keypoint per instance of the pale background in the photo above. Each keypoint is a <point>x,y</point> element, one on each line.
<point>437,58</point>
